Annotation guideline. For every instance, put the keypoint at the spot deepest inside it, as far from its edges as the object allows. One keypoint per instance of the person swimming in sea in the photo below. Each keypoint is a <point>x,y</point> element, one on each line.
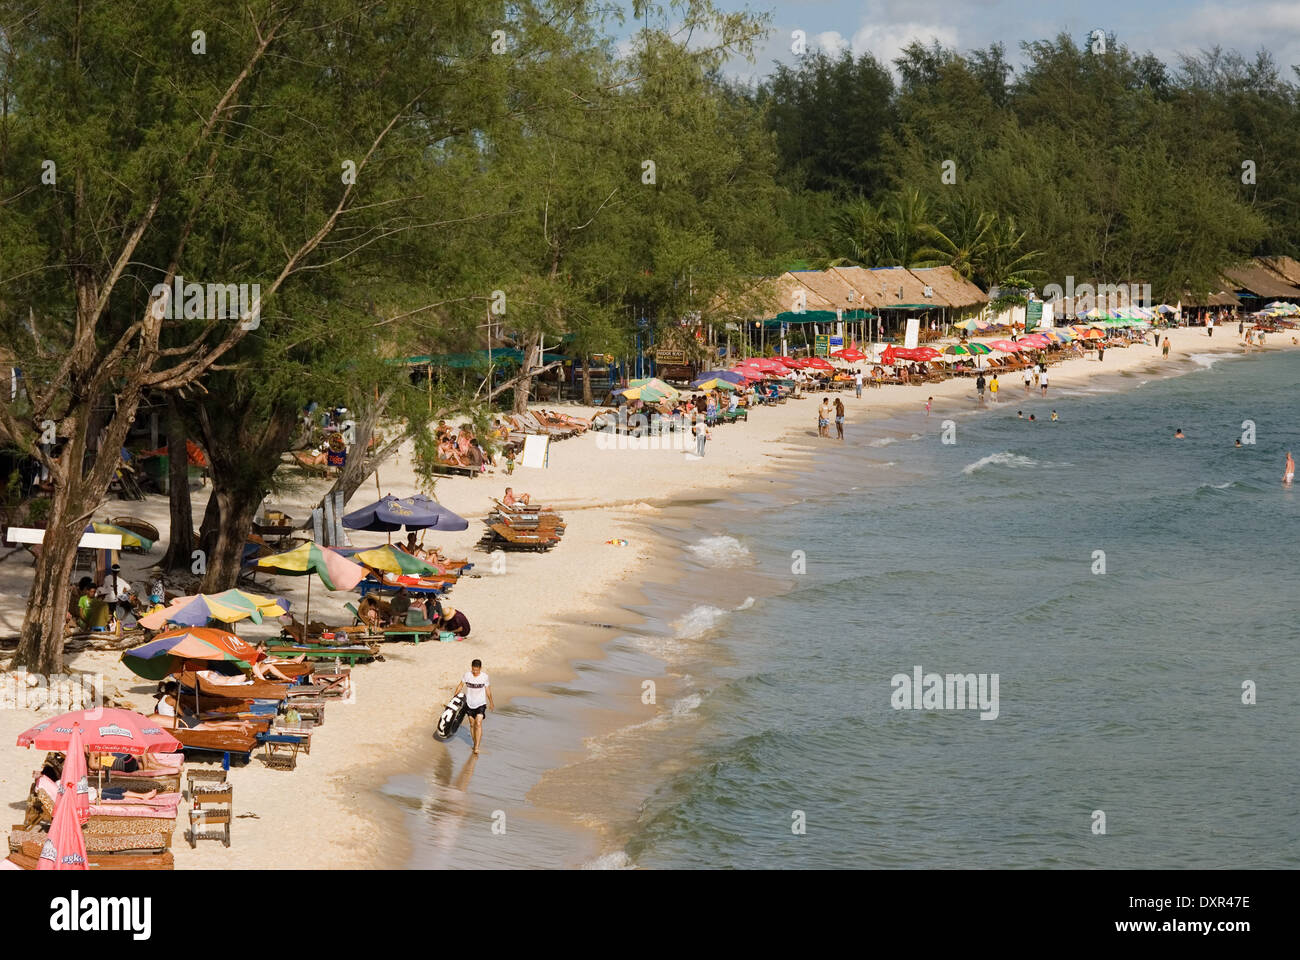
<point>1290,468</point>
<point>1054,416</point>
<point>1178,434</point>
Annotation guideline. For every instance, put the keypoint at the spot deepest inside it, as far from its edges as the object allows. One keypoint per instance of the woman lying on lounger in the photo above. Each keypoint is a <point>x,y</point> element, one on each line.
<point>265,669</point>
<point>510,499</point>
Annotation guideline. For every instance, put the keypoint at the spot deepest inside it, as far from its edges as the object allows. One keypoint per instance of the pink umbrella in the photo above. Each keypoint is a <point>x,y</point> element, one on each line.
<point>1036,341</point>
<point>74,779</point>
<point>65,847</point>
<point>1006,346</point>
<point>105,730</point>
<point>769,365</point>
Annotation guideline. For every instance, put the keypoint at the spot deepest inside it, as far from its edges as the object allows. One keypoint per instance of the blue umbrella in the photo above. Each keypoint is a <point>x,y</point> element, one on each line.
<point>414,513</point>
<point>729,375</point>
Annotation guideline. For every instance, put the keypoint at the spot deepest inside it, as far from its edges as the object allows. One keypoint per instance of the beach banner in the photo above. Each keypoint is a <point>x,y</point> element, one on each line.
<point>1033,315</point>
<point>913,333</point>
<point>822,345</point>
<point>536,451</point>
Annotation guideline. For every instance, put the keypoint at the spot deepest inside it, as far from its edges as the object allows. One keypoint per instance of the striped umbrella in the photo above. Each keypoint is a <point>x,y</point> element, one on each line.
<point>201,609</point>
<point>967,349</point>
<point>169,651</point>
<point>65,845</point>
<point>130,539</point>
<point>335,571</point>
<point>391,560</point>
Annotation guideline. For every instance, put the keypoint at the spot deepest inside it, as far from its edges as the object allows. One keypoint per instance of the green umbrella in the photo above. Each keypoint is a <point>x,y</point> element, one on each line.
<point>967,349</point>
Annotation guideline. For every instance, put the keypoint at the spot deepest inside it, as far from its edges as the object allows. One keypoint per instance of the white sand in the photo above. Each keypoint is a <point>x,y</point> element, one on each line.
<point>327,813</point>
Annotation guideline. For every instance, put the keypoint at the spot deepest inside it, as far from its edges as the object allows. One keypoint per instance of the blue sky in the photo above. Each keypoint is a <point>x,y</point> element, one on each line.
<point>1164,27</point>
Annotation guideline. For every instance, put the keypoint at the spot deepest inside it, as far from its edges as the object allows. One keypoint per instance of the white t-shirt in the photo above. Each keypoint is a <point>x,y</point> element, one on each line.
<point>1042,378</point>
<point>1029,374</point>
<point>475,688</point>
<point>857,378</point>
<point>115,587</point>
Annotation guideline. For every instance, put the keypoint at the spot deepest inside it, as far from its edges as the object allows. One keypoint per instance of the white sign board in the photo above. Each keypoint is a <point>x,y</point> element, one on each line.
<point>94,541</point>
<point>1048,314</point>
<point>913,336</point>
<point>535,451</point>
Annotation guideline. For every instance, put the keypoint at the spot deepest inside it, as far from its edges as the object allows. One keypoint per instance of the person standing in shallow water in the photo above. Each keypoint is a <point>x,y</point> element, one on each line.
<point>839,419</point>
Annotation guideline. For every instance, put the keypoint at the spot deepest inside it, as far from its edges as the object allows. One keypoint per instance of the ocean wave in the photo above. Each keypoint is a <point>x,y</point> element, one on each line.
<point>1004,458</point>
<point>687,705</point>
<point>1207,360</point>
<point>618,860</point>
<point>748,602</point>
<point>699,621</point>
<point>721,551</point>
<point>886,441</point>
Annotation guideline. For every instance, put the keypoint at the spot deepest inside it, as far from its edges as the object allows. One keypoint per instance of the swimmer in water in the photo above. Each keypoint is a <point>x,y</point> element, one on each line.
<point>1290,468</point>
<point>1178,434</point>
<point>1238,443</point>
<point>1054,416</point>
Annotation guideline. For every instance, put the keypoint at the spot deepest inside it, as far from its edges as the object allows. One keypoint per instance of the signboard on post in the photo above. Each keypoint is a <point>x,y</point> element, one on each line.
<point>822,345</point>
<point>665,355</point>
<point>913,336</point>
<point>1033,315</point>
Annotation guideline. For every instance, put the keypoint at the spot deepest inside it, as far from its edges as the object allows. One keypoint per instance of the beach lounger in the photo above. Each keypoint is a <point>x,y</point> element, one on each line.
<point>441,466</point>
<point>504,537</point>
<point>257,690</point>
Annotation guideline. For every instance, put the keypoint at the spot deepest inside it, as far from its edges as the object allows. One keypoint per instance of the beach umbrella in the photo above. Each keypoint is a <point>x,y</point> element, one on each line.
<point>65,845</point>
<point>1006,346</point>
<point>730,376</point>
<point>967,349</point>
<point>713,384</point>
<point>170,651</point>
<point>103,730</point>
<point>75,780</point>
<point>267,606</point>
<point>849,353</point>
<point>1035,341</point>
<point>653,389</point>
<point>390,559</point>
<point>129,538</point>
<point>414,513</point>
<point>818,363</point>
<point>335,571</point>
<point>200,609</point>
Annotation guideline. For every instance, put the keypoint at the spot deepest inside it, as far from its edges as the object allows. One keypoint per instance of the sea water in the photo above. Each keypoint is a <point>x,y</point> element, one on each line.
<point>1132,596</point>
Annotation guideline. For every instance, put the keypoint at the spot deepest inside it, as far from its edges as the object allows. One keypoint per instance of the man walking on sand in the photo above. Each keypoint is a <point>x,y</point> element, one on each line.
<point>824,418</point>
<point>478,698</point>
<point>1042,380</point>
<point>1164,350</point>
<point>1209,325</point>
<point>857,383</point>
<point>993,388</point>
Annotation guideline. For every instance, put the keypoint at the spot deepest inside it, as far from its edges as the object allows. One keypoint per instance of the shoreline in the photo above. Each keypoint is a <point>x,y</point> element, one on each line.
<point>524,626</point>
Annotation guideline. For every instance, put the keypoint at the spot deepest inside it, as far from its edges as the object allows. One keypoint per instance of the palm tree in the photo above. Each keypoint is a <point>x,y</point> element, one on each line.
<point>962,237</point>
<point>1003,255</point>
<point>857,232</point>
<point>908,231</point>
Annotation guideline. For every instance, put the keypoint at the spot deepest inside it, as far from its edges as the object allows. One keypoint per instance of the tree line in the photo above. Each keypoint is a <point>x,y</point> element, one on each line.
<point>419,177</point>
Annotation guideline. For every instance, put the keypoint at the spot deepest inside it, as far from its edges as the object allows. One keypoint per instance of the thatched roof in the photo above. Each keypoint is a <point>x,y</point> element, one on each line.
<point>769,296</point>
<point>890,286</point>
<point>831,287</point>
<point>868,294</point>
<point>1223,298</point>
<point>1286,268</point>
<point>950,285</point>
<point>1261,282</point>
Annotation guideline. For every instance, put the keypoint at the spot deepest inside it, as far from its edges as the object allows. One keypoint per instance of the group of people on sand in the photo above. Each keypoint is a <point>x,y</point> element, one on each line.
<point>824,414</point>
<point>461,448</point>
<point>376,613</point>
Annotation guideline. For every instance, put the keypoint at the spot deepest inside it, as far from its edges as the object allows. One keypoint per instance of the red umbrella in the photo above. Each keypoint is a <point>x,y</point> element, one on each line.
<point>849,353</point>
<point>105,730</point>
<point>908,353</point>
<point>74,779</point>
<point>768,364</point>
<point>65,847</point>
<point>818,363</point>
<point>1035,340</point>
<point>791,363</point>
<point>1006,346</point>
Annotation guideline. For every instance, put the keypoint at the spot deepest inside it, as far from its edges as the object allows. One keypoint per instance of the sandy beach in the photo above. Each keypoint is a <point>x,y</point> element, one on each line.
<point>328,812</point>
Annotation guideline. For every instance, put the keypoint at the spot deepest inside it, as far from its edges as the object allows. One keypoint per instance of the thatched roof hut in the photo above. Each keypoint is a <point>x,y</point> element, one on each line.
<point>1256,281</point>
<point>891,287</point>
<point>950,285</point>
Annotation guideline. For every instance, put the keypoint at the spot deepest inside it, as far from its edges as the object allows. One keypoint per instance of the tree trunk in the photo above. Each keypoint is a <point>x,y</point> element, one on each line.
<point>180,545</point>
<point>40,644</point>
<point>586,381</point>
<point>238,508</point>
<point>242,463</point>
<point>524,385</point>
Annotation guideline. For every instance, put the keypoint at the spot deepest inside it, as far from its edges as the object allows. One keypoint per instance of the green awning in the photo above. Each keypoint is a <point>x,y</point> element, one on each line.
<point>914,306</point>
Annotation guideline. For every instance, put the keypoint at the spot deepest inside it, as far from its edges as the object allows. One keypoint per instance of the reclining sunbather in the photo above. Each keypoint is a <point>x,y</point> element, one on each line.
<point>265,669</point>
<point>510,499</point>
<point>374,613</point>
